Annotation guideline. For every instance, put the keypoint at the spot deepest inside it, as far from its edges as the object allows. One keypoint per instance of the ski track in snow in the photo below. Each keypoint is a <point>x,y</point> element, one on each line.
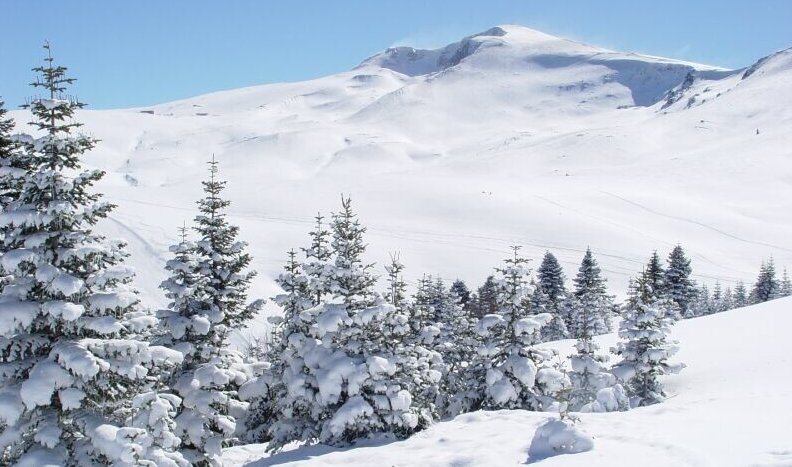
<point>694,222</point>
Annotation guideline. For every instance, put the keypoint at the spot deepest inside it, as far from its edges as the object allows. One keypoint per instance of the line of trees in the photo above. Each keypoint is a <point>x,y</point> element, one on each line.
<point>88,376</point>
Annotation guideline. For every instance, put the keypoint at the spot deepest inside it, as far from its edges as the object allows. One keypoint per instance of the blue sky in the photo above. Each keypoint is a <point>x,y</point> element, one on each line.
<point>137,53</point>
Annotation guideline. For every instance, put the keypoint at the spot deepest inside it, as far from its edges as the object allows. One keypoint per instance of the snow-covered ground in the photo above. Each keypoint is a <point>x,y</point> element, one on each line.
<point>451,155</point>
<point>732,406</point>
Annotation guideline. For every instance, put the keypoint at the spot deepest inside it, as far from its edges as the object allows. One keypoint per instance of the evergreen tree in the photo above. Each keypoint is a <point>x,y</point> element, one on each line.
<point>69,318</point>
<point>317,256</point>
<point>347,373</point>
<point>591,305</point>
<point>455,344</point>
<point>767,286</point>
<point>397,288</point>
<point>646,349</point>
<point>517,373</point>
<point>539,303</point>
<point>265,391</point>
<point>702,303</point>
<point>208,288</point>
<point>550,279</point>
<point>593,388</point>
<point>785,288</point>
<point>14,165</point>
<point>350,277</point>
<point>460,289</point>
<point>654,278</point>
<point>727,302</point>
<point>716,302</point>
<point>677,284</point>
<point>484,302</point>
<point>740,295</point>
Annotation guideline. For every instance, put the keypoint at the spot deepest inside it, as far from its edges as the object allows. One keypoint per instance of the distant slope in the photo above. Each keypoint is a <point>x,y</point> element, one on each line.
<point>506,137</point>
<point>732,406</point>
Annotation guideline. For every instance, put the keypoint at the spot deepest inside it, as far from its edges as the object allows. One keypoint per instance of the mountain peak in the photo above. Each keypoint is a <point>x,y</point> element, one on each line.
<point>526,41</point>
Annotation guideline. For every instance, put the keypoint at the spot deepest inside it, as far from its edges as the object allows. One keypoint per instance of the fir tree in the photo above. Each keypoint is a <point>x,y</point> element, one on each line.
<point>69,345</point>
<point>646,349</point>
<point>397,288</point>
<point>517,373</point>
<point>740,295</point>
<point>268,390</point>
<point>550,278</point>
<point>593,388</point>
<point>540,303</point>
<point>347,372</point>
<point>590,299</point>
<point>785,288</point>
<point>208,288</point>
<point>484,302</point>
<point>767,285</point>
<point>317,255</point>
<point>223,260</point>
<point>455,343</point>
<point>677,284</point>
<point>716,302</point>
<point>654,279</point>
<point>14,166</point>
<point>460,289</point>
<point>727,303</point>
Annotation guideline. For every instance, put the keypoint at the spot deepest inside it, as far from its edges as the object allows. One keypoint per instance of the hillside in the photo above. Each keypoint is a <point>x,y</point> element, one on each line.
<point>732,406</point>
<point>506,137</point>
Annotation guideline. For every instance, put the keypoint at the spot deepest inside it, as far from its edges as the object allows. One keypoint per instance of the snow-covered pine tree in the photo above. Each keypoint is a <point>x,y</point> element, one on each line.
<point>350,278</point>
<point>421,369</point>
<point>590,294</point>
<point>208,288</point>
<point>593,388</point>
<point>717,299</point>
<point>456,344</point>
<point>677,284</point>
<point>646,348</point>
<point>785,287</point>
<point>13,167</point>
<point>540,303</point>
<point>483,303</point>
<point>460,289</point>
<point>517,374</point>
<point>740,295</point>
<point>13,163</point>
<point>346,379</point>
<point>266,391</point>
<point>71,360</point>
<point>222,259</point>
<point>727,302</point>
<point>767,285</point>
<point>423,313</point>
<point>397,288</point>
<point>550,278</point>
<point>654,278</point>
<point>305,285</point>
<point>702,303</point>
<point>317,257</point>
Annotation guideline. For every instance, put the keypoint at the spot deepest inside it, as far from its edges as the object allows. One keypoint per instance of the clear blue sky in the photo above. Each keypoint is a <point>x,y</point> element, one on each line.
<point>143,52</point>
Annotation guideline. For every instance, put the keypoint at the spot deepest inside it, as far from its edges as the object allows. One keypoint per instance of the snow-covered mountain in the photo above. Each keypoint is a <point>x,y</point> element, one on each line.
<point>506,137</point>
<point>731,406</point>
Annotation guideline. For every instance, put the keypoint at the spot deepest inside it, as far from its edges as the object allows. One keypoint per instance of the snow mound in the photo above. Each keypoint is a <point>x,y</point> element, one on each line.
<point>555,437</point>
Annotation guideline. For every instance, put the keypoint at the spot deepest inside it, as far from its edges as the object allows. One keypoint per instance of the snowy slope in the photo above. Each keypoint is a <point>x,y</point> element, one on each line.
<point>732,406</point>
<point>451,155</point>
